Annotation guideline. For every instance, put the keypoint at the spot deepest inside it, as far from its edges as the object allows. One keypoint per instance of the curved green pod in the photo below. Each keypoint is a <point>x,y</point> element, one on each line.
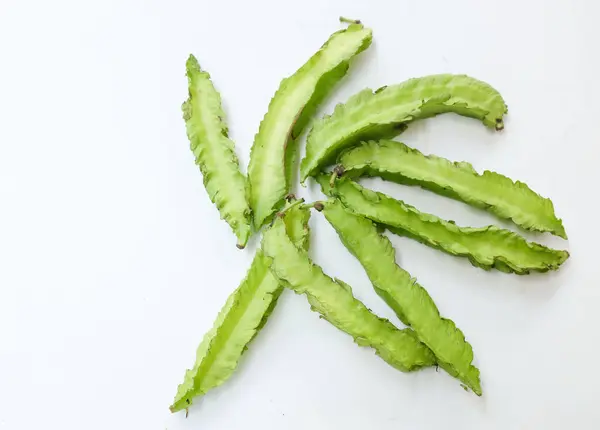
<point>394,161</point>
<point>245,312</point>
<point>403,294</point>
<point>486,247</point>
<point>289,112</point>
<point>214,151</point>
<point>385,113</point>
<point>333,299</point>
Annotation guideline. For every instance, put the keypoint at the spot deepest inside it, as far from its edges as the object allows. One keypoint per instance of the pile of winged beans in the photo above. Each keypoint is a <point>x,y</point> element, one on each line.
<point>355,139</point>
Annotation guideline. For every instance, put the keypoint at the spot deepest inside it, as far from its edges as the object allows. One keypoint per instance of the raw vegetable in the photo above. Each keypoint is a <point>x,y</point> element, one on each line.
<point>360,216</point>
<point>269,171</point>
<point>385,113</point>
<point>333,299</point>
<point>496,193</point>
<point>244,314</point>
<point>486,247</point>
<point>403,294</point>
<point>214,151</point>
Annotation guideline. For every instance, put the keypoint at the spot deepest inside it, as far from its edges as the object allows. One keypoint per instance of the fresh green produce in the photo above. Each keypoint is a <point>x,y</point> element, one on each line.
<point>496,193</point>
<point>333,299</point>
<point>214,151</point>
<point>290,110</point>
<point>359,215</point>
<point>244,314</point>
<point>385,113</point>
<point>403,294</point>
<point>486,247</point>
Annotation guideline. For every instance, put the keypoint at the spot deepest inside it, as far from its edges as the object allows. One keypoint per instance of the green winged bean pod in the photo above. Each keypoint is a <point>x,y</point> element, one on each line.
<point>334,301</point>
<point>403,294</point>
<point>486,247</point>
<point>269,171</point>
<point>505,198</point>
<point>243,315</point>
<point>385,113</point>
<point>214,151</point>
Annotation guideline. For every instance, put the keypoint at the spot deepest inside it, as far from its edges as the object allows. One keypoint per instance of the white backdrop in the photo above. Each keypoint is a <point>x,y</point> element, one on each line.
<point>113,262</point>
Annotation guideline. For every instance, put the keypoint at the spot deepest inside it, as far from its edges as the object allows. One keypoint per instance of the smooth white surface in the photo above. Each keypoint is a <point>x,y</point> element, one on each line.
<point>113,262</point>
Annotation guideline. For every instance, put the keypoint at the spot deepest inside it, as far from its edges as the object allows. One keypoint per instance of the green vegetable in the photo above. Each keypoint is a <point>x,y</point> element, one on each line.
<point>486,247</point>
<point>409,300</point>
<point>333,299</point>
<point>214,151</point>
<point>385,113</point>
<point>496,193</point>
<point>244,314</point>
<point>269,171</point>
